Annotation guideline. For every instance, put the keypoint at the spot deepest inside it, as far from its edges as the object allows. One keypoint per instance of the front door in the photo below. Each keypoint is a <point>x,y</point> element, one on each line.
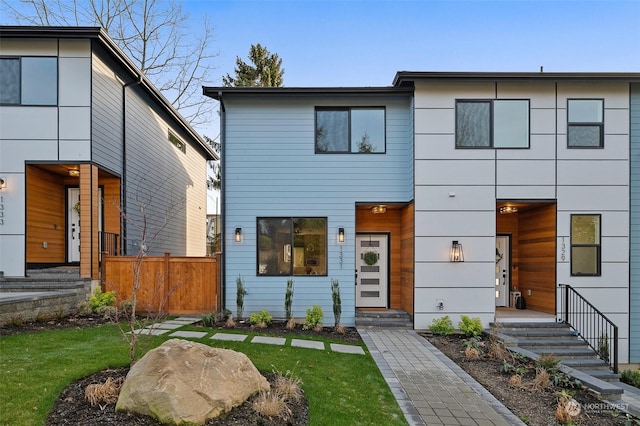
<point>371,271</point>
<point>73,224</point>
<point>503,252</point>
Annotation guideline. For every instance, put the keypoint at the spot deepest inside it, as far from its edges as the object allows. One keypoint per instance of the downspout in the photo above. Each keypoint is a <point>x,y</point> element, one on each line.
<point>223,212</point>
<point>123,186</point>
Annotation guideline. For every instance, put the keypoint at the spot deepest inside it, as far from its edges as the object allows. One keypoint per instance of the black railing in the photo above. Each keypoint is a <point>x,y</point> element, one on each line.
<point>590,324</point>
<point>108,243</point>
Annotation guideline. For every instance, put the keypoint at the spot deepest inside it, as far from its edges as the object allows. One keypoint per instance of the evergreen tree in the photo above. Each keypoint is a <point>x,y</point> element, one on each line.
<point>266,70</point>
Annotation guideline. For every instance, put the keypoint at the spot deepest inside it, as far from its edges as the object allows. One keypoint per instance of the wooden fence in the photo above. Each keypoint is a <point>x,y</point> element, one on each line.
<point>171,285</point>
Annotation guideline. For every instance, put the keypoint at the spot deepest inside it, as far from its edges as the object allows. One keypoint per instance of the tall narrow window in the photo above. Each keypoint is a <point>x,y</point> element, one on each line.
<point>585,123</point>
<point>350,130</point>
<point>499,123</point>
<point>585,244</point>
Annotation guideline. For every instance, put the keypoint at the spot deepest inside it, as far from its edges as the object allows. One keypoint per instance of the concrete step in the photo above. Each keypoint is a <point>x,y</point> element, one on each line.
<point>606,375</point>
<point>550,333</point>
<point>389,318</point>
<point>587,364</point>
<point>550,344</point>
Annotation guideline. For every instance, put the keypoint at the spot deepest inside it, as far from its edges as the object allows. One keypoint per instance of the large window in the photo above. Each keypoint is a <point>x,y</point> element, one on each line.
<point>585,244</point>
<point>29,81</point>
<point>350,130</point>
<point>585,123</point>
<point>292,246</point>
<point>492,123</point>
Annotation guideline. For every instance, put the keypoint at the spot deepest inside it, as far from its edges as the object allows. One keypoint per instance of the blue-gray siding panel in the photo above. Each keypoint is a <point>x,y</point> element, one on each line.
<point>272,170</point>
<point>634,334</point>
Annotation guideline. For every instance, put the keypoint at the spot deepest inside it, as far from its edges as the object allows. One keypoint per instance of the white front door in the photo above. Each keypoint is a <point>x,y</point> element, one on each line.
<point>73,224</point>
<point>503,252</point>
<point>371,271</point>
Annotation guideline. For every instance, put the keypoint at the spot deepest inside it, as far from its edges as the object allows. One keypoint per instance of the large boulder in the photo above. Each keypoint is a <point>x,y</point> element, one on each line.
<point>187,382</point>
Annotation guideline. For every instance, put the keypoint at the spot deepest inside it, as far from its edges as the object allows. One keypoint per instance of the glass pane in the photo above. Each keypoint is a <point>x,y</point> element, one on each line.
<point>511,124</point>
<point>584,261</point>
<point>332,131</point>
<point>585,110</point>
<point>473,124</point>
<point>274,246</point>
<point>585,229</point>
<point>584,136</point>
<point>39,81</point>
<point>10,81</point>
<point>367,130</point>
<point>310,246</point>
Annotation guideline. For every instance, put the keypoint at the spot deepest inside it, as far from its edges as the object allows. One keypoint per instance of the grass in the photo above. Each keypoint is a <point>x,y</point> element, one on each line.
<point>342,389</point>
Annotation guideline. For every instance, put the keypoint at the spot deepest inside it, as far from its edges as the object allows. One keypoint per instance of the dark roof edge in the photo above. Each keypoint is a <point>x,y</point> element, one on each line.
<point>218,92</point>
<point>407,78</point>
<point>107,42</point>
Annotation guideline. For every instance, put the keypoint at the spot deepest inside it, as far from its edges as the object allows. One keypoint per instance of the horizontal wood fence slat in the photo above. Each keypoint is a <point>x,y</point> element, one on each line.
<point>171,285</point>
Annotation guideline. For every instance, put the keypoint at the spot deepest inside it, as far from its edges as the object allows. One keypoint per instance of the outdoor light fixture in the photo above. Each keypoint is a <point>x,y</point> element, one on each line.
<point>457,255</point>
<point>379,209</point>
<point>238,234</point>
<point>74,172</point>
<point>3,183</point>
<point>508,210</point>
<point>341,235</point>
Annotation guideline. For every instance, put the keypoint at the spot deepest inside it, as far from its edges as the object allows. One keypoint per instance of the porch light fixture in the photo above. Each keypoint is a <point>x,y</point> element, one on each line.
<point>74,172</point>
<point>456,255</point>
<point>238,235</point>
<point>341,235</point>
<point>3,183</point>
<point>379,209</point>
<point>508,210</point>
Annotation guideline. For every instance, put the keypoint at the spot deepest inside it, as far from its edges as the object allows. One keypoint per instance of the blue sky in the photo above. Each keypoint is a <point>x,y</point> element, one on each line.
<point>364,43</point>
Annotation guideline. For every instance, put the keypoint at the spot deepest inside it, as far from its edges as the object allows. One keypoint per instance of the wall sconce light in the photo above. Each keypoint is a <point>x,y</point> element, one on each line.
<point>74,172</point>
<point>238,235</point>
<point>457,255</point>
<point>3,183</point>
<point>379,209</point>
<point>341,235</point>
<point>508,210</point>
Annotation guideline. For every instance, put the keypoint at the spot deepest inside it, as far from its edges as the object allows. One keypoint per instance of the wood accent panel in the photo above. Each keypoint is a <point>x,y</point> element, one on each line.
<point>407,261</point>
<point>45,216</point>
<point>537,257</point>
<point>89,221</point>
<point>399,256</point>
<point>508,224</point>
<point>172,285</point>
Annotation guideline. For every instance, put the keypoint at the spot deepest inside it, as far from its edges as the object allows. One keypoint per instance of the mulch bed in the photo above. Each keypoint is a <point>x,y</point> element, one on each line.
<point>533,407</point>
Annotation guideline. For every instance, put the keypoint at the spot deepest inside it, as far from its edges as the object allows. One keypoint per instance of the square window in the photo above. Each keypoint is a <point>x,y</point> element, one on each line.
<point>29,81</point>
<point>292,246</point>
<point>492,123</point>
<point>585,123</point>
<point>585,245</point>
<point>350,130</point>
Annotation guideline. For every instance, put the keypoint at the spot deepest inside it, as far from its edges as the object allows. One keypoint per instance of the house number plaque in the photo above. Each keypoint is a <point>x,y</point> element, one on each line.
<point>562,250</point>
<point>1,210</point>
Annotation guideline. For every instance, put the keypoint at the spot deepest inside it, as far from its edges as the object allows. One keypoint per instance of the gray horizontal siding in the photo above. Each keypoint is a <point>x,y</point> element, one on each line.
<point>634,323</point>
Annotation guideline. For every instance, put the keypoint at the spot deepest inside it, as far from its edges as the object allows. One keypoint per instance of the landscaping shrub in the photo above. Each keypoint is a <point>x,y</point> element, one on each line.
<point>288,299</point>
<point>442,326</point>
<point>261,319</point>
<point>631,377</point>
<point>337,303</point>
<point>241,292</point>
<point>99,300</point>
<point>313,319</point>
<point>470,326</point>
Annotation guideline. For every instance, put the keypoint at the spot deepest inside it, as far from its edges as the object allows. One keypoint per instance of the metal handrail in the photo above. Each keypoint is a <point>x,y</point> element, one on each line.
<point>600,333</point>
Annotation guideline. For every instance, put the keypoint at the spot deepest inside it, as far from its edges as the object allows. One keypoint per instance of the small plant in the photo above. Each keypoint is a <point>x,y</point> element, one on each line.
<point>241,292</point>
<point>470,326</point>
<point>105,393</point>
<point>509,368</point>
<point>603,347</point>
<point>230,323</point>
<point>209,320</point>
<point>260,319</point>
<point>337,303</point>
<point>542,380</point>
<point>473,342</point>
<point>288,299</point>
<point>226,313</point>
<point>99,300</point>
<point>548,362</point>
<point>442,326</point>
<point>291,324</point>
<point>471,353</point>
<point>567,408</point>
<point>313,319</point>
<point>271,404</point>
<point>515,381</point>
<point>631,377</point>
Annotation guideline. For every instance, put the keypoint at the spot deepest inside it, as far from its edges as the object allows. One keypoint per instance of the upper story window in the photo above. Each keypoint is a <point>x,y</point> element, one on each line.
<point>585,244</point>
<point>292,246</point>
<point>585,123</point>
<point>177,142</point>
<point>29,80</point>
<point>350,130</point>
<point>492,123</point>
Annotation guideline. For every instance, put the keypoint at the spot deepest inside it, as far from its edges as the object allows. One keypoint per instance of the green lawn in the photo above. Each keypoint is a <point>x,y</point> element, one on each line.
<point>342,389</point>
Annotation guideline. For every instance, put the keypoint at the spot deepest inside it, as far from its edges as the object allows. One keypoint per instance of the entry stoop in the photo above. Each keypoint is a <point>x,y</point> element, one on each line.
<point>576,357</point>
<point>389,318</point>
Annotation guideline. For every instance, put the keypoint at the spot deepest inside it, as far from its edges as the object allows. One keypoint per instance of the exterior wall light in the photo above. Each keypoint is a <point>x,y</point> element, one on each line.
<point>508,209</point>
<point>341,235</point>
<point>74,172</point>
<point>379,209</point>
<point>238,235</point>
<point>3,183</point>
<point>457,255</point>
